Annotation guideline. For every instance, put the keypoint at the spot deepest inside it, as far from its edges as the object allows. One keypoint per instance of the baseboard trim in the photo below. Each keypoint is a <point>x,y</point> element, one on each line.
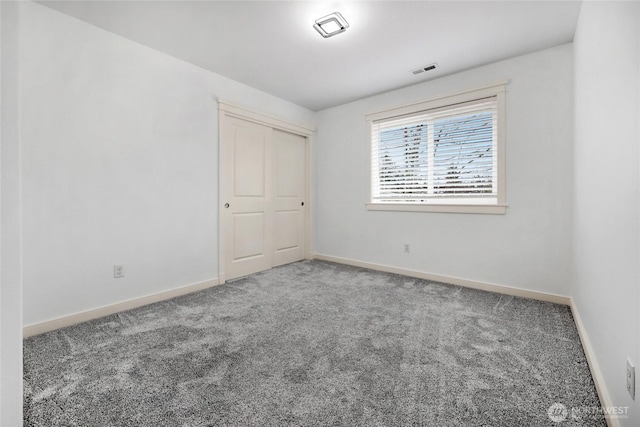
<point>594,367</point>
<point>84,316</point>
<point>501,289</point>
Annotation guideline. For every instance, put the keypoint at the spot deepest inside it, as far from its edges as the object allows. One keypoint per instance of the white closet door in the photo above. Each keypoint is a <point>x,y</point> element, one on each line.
<point>289,202</point>
<point>246,171</point>
<point>262,193</point>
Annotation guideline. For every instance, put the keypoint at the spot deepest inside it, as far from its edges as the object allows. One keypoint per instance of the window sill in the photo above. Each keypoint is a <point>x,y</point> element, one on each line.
<point>473,209</point>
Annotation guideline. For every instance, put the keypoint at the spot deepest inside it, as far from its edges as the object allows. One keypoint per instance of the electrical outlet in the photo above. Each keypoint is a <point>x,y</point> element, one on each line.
<point>407,247</point>
<point>118,271</point>
<point>631,379</point>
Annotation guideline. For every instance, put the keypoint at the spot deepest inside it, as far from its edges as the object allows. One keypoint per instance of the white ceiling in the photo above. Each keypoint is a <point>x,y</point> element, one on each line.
<point>271,45</point>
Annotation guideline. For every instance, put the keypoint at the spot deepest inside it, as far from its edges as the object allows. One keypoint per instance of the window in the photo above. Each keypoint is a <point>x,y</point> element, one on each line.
<point>442,155</point>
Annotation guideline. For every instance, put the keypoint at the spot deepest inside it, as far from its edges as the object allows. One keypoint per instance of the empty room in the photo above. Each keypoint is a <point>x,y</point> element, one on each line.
<point>360,213</point>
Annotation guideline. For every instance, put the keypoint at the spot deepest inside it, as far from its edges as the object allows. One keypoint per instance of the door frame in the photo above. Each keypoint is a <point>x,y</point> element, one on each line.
<point>228,109</point>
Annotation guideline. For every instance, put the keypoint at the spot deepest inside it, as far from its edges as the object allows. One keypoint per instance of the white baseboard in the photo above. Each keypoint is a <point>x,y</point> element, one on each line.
<point>84,316</point>
<point>594,367</point>
<point>501,289</point>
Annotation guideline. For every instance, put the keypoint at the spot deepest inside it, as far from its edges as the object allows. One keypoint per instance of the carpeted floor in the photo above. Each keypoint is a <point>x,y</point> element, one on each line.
<point>315,343</point>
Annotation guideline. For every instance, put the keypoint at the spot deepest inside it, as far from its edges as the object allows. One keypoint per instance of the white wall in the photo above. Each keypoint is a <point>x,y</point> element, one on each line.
<point>119,165</point>
<point>528,247</point>
<point>10,252</point>
<point>607,189</point>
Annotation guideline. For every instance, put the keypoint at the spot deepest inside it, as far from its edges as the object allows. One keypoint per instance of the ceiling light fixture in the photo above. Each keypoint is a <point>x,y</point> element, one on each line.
<point>331,25</point>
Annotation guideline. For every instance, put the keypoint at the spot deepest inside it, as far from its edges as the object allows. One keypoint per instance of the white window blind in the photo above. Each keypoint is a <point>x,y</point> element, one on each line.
<point>445,155</point>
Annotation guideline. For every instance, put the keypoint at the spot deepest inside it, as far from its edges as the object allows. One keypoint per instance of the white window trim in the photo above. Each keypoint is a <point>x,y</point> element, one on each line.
<point>498,90</point>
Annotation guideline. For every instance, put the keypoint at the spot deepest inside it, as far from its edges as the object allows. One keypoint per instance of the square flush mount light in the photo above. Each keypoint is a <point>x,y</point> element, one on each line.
<point>331,25</point>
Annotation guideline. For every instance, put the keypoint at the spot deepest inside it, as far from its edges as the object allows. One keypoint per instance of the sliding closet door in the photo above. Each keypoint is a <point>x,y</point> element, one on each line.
<point>246,171</point>
<point>263,182</point>
<point>289,190</point>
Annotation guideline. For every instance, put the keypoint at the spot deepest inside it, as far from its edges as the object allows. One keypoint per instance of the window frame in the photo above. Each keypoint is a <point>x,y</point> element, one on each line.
<point>497,90</point>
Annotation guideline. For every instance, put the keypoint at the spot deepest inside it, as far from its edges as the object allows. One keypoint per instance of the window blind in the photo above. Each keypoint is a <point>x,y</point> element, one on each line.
<point>440,155</point>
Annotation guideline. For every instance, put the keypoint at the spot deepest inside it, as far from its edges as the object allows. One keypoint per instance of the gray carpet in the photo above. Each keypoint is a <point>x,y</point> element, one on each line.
<point>315,343</point>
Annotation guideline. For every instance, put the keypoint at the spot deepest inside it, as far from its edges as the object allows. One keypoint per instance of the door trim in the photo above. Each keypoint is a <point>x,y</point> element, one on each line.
<point>228,109</point>
<point>234,110</point>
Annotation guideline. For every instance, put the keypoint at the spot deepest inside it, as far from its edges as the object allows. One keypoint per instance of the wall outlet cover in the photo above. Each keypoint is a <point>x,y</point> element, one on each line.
<point>118,271</point>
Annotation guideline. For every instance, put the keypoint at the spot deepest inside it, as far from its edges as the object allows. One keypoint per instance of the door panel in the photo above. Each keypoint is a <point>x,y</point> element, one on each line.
<point>249,161</point>
<point>287,237</point>
<point>246,182</point>
<point>289,189</point>
<point>289,164</point>
<point>249,235</point>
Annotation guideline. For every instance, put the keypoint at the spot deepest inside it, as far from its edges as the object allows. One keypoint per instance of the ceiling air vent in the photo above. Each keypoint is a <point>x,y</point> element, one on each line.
<point>425,68</point>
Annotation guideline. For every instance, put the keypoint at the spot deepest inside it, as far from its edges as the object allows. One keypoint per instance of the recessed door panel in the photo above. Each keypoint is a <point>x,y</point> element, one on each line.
<point>287,236</point>
<point>249,161</point>
<point>289,164</point>
<point>249,235</point>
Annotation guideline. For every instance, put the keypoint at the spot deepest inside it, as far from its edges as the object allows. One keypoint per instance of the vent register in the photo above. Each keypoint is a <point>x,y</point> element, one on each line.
<point>424,69</point>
